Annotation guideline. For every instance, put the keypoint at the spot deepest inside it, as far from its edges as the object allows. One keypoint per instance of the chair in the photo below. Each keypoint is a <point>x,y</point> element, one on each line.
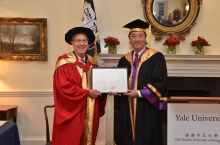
<point>48,141</point>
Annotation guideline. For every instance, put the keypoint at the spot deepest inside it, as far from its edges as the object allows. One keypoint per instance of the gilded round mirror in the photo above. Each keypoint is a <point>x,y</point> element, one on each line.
<point>171,17</point>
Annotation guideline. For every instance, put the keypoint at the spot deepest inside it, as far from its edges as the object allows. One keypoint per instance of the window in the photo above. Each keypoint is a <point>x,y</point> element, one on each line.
<point>161,9</point>
<point>184,9</point>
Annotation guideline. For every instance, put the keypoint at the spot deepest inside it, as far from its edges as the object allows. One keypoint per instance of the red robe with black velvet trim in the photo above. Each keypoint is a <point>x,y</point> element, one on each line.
<point>70,104</point>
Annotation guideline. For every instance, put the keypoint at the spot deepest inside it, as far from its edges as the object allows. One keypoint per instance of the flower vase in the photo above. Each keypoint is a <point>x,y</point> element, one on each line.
<point>112,49</point>
<point>171,50</point>
<point>199,50</point>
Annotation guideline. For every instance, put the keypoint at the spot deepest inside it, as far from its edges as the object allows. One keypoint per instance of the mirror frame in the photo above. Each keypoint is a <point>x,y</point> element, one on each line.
<point>180,30</point>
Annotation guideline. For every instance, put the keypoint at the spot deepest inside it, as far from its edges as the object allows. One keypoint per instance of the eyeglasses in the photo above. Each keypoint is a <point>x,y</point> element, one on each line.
<point>78,40</point>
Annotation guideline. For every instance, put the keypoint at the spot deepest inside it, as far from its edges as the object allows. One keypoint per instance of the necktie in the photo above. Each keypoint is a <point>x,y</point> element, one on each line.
<point>82,60</point>
<point>136,59</point>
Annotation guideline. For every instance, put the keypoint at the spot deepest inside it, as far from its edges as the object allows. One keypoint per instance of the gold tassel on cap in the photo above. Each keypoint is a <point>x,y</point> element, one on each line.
<point>149,35</point>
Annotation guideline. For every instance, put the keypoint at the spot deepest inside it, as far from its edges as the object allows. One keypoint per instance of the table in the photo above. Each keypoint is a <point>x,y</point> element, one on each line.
<point>8,112</point>
<point>9,134</point>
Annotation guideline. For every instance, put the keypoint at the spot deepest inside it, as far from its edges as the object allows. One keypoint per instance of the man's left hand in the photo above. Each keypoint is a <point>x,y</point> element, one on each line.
<point>132,93</point>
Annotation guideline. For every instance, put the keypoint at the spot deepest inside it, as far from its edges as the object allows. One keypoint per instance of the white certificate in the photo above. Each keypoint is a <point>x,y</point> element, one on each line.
<point>106,79</point>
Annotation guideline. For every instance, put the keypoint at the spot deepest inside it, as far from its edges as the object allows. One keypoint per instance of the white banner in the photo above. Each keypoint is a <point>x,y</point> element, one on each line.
<point>193,124</point>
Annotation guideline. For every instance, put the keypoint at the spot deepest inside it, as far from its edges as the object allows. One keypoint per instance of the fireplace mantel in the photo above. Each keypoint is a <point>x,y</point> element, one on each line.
<point>178,65</point>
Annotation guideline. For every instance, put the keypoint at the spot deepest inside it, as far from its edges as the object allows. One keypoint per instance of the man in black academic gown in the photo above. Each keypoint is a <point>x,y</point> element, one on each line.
<point>142,105</point>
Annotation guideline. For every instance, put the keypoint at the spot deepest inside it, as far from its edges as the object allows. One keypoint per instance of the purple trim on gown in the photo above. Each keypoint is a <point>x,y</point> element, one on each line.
<point>146,93</point>
<point>135,67</point>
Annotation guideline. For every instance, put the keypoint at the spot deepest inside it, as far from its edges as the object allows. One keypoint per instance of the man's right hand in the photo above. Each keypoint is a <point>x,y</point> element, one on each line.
<point>114,94</point>
<point>94,93</point>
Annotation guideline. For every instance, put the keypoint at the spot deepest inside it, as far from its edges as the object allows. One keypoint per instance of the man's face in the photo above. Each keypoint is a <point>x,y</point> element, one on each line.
<point>137,40</point>
<point>80,44</point>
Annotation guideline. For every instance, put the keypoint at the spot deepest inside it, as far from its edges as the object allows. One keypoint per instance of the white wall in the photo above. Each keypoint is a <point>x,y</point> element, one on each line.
<point>34,79</point>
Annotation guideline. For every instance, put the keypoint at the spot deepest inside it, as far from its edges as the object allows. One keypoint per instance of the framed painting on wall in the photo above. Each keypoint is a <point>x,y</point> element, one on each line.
<point>23,39</point>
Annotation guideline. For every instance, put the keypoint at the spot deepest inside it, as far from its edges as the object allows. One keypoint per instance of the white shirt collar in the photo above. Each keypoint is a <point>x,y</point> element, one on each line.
<point>139,53</point>
<point>84,58</point>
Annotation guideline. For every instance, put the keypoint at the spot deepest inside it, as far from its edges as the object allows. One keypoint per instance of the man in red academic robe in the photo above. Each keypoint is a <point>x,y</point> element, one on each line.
<point>77,106</point>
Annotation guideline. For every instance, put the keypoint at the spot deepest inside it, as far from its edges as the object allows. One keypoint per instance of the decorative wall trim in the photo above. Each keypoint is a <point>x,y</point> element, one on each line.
<point>26,94</point>
<point>39,139</point>
<point>33,138</point>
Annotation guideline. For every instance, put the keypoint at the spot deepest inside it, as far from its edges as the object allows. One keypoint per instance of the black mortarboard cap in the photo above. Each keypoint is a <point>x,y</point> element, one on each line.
<point>137,25</point>
<point>87,31</point>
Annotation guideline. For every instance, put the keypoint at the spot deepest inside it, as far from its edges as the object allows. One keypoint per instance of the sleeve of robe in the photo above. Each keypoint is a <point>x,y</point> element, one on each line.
<point>156,89</point>
<point>69,96</point>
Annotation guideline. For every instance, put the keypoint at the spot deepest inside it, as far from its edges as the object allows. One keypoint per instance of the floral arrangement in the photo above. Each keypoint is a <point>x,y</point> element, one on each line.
<point>171,41</point>
<point>200,42</point>
<point>111,42</point>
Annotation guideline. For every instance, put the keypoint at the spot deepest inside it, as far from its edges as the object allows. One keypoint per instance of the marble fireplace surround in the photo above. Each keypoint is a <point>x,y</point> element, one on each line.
<point>188,68</point>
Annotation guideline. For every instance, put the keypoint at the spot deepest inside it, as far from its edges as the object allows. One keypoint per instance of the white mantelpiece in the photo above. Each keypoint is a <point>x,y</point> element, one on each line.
<point>178,65</point>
